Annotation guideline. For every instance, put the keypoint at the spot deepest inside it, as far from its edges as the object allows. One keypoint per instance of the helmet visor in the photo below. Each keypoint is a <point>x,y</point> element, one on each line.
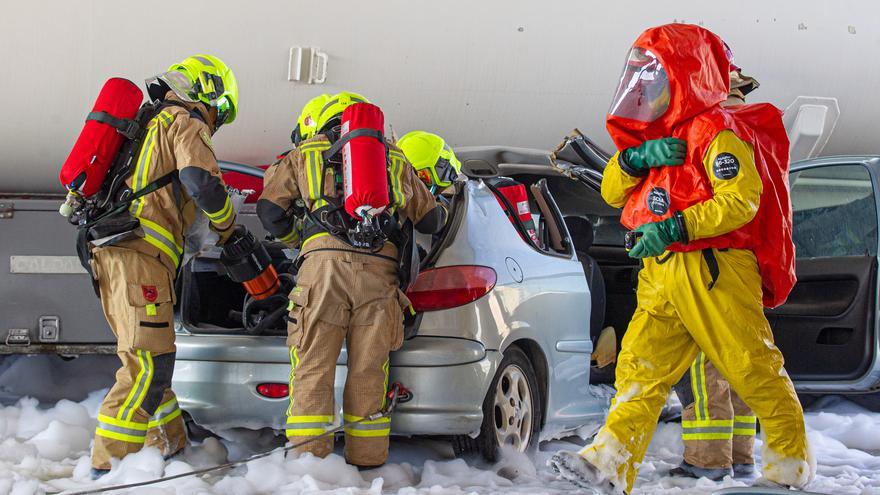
<point>643,92</point>
<point>179,83</point>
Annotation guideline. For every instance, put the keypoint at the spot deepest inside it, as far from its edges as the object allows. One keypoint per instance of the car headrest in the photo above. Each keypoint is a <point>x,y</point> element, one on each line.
<point>581,230</point>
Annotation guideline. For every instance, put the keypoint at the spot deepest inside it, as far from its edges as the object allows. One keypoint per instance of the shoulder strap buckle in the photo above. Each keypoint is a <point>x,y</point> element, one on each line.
<point>127,127</point>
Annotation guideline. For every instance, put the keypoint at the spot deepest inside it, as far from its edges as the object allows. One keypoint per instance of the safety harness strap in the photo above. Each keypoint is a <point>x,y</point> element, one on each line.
<point>351,135</point>
<point>86,233</point>
<point>712,265</point>
<point>123,204</point>
<point>127,127</point>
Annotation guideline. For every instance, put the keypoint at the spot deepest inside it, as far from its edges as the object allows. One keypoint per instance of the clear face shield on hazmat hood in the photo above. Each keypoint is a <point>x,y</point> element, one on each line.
<point>643,93</point>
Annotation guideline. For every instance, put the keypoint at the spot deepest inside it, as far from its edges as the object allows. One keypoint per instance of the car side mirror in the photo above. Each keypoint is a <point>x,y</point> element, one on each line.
<point>479,169</point>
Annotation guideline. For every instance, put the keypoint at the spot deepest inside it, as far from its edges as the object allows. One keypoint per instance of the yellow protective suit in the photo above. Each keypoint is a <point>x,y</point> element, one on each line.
<point>678,314</point>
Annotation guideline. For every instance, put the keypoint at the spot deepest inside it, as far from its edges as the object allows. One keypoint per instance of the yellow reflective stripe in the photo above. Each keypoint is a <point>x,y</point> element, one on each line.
<point>357,426</point>
<point>704,386</point>
<point>119,436</point>
<point>315,236</point>
<point>309,426</point>
<point>166,405</point>
<point>162,231</point>
<point>139,180</point>
<point>304,432</point>
<point>223,214</point>
<point>397,166</point>
<point>386,368</point>
<point>165,419</point>
<point>745,425</point>
<point>132,425</point>
<point>368,433</point>
<point>698,385</point>
<point>350,418</point>
<point>143,395</point>
<point>745,432</point>
<point>294,362</point>
<point>709,429</point>
<point>151,309</point>
<point>709,422</point>
<point>165,118</point>
<point>316,145</point>
<point>141,171</point>
<point>695,386</point>
<point>123,413</point>
<point>165,413</point>
<point>309,419</point>
<point>313,171</point>
<point>161,245</point>
<point>160,237</point>
<point>706,436</point>
<point>291,237</point>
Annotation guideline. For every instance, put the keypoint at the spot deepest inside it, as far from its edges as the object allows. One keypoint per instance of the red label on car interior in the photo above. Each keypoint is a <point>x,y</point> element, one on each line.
<point>150,292</point>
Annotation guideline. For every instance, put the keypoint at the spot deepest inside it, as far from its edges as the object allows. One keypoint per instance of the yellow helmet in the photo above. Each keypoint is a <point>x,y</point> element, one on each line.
<point>307,123</point>
<point>200,78</point>
<point>433,160</point>
<point>333,108</point>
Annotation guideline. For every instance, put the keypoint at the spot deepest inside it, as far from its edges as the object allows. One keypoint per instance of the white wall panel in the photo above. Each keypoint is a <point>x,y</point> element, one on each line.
<point>479,72</point>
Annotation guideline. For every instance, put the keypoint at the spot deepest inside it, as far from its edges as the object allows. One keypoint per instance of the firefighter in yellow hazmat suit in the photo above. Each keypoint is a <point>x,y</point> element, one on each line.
<point>693,198</point>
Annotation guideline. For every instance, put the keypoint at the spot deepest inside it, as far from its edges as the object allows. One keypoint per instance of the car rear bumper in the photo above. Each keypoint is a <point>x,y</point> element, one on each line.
<point>216,378</point>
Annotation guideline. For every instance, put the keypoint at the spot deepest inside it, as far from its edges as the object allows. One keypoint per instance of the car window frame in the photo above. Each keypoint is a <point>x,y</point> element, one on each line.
<point>868,165</point>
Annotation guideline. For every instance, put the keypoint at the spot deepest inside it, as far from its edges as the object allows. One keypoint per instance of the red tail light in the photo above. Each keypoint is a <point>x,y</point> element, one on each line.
<point>451,286</point>
<point>273,390</point>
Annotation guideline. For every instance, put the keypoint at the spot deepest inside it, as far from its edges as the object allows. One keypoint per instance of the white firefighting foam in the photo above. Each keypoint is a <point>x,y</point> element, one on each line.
<point>47,449</point>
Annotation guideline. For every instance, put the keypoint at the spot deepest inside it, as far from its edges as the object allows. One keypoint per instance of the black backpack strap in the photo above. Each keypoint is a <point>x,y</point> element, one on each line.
<point>712,265</point>
<point>125,203</point>
<point>153,186</point>
<point>351,135</point>
<point>127,127</point>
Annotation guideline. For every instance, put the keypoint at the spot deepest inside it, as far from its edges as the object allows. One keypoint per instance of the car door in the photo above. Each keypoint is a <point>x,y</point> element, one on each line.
<point>827,328</point>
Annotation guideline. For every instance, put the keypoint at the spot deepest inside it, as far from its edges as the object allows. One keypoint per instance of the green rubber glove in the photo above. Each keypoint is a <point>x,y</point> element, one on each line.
<point>657,236</point>
<point>656,153</point>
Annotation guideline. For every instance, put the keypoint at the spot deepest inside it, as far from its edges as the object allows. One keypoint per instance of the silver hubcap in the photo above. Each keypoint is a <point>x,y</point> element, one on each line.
<point>513,409</point>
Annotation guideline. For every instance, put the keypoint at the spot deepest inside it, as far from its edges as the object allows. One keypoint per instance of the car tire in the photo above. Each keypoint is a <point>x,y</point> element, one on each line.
<point>512,410</point>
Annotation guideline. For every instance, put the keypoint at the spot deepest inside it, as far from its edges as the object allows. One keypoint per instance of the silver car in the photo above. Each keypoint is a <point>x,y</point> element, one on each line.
<point>499,350</point>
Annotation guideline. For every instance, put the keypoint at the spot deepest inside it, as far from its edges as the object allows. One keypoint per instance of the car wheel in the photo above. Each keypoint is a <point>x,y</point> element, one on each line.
<point>512,410</point>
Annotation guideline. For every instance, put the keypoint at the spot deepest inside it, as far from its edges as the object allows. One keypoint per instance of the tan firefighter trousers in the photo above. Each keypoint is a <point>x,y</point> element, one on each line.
<point>137,294</point>
<point>342,296</point>
<point>718,428</point>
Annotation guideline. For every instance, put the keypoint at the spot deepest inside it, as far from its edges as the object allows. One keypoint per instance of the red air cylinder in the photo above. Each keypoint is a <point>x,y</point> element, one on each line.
<point>364,165</point>
<point>98,143</point>
<point>519,199</point>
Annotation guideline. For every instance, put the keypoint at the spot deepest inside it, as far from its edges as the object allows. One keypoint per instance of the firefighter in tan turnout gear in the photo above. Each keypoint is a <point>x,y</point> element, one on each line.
<point>343,292</point>
<point>136,276</point>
